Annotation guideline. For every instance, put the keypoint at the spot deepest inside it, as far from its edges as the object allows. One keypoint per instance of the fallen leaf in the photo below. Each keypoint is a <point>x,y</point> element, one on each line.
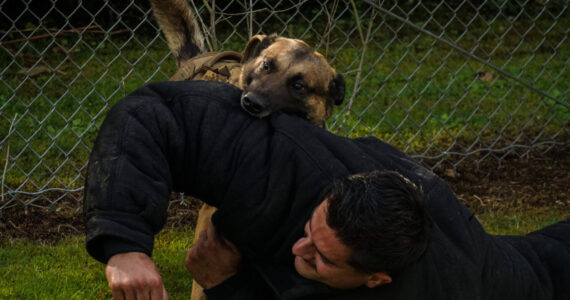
<point>450,173</point>
<point>485,76</point>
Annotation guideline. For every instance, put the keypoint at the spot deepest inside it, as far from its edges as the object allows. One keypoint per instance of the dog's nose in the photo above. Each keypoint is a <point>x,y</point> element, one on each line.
<point>251,104</point>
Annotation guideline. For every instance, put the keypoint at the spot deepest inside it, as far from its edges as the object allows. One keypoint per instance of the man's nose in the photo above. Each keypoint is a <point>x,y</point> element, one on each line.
<point>304,248</point>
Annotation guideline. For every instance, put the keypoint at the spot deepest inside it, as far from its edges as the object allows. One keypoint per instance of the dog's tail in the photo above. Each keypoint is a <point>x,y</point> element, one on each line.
<point>180,27</point>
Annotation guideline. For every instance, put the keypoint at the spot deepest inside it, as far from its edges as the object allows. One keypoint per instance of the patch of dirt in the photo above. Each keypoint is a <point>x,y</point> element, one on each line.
<point>39,224</point>
<point>48,225</point>
<point>521,183</point>
<point>533,181</point>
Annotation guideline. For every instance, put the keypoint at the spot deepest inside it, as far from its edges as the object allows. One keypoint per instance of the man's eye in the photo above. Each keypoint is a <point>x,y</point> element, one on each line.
<point>324,260</point>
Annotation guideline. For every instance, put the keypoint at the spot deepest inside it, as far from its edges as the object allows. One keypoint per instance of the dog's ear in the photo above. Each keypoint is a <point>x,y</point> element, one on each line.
<point>256,44</point>
<point>337,88</point>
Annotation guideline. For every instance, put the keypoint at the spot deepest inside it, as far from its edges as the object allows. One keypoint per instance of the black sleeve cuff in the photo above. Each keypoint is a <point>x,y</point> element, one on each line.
<point>105,247</point>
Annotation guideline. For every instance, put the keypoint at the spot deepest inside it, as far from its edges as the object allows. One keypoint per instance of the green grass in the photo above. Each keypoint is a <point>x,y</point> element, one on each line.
<point>415,92</point>
<point>516,222</point>
<point>65,271</point>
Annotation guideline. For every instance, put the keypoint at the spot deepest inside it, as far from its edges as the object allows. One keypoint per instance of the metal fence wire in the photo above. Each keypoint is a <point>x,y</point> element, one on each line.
<point>452,83</point>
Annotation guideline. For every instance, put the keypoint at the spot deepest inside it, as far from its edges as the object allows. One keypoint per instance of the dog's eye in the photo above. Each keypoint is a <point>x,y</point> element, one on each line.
<point>298,86</point>
<point>266,65</point>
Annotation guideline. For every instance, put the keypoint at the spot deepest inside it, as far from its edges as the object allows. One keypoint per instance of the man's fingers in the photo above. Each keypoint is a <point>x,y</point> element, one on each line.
<point>215,239</point>
<point>197,251</point>
<point>157,293</point>
<point>152,290</point>
<point>121,290</point>
<point>190,256</point>
<point>230,246</point>
<point>118,294</point>
<point>130,294</point>
<point>164,293</point>
<point>142,294</point>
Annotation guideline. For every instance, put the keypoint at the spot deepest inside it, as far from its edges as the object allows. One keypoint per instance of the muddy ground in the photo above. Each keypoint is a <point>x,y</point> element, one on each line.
<point>535,181</point>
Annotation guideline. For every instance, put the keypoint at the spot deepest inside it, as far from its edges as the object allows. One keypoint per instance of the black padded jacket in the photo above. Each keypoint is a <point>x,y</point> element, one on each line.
<point>265,176</point>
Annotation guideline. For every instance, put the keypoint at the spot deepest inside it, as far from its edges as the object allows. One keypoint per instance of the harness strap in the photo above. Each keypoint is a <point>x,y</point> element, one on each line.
<point>216,66</point>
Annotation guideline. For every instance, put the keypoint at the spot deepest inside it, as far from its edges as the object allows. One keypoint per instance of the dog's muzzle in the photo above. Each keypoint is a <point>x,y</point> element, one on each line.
<point>254,105</point>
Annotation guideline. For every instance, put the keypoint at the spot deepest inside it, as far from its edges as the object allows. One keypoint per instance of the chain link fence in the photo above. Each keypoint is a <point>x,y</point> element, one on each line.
<point>451,83</point>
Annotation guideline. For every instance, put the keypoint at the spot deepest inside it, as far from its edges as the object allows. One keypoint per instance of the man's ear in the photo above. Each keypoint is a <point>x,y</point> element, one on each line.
<point>256,44</point>
<point>377,279</point>
<point>337,88</point>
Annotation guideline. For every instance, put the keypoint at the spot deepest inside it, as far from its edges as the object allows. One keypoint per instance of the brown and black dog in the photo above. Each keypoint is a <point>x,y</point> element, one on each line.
<point>275,74</point>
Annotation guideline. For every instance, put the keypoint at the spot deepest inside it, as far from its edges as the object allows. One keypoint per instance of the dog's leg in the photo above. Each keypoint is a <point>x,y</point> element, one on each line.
<point>204,218</point>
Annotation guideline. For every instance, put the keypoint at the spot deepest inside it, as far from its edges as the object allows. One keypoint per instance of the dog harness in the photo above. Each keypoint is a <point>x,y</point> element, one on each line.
<point>214,66</point>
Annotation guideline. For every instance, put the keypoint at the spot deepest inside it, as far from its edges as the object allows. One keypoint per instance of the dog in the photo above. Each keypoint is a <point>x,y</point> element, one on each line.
<point>275,74</point>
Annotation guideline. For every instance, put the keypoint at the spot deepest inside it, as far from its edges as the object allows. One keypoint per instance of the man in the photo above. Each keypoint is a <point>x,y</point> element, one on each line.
<point>267,179</point>
<point>369,226</point>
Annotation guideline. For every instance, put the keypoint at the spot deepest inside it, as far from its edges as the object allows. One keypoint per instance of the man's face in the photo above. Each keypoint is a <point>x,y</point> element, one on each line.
<point>321,256</point>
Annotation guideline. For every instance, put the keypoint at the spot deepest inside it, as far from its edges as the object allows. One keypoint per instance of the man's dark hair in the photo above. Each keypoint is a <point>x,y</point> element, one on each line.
<point>382,218</point>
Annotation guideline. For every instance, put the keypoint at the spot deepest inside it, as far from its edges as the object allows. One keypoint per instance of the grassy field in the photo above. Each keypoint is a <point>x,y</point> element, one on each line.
<point>65,271</point>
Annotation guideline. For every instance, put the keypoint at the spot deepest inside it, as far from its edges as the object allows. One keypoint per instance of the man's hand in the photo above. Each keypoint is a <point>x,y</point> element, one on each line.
<point>212,259</point>
<point>133,275</point>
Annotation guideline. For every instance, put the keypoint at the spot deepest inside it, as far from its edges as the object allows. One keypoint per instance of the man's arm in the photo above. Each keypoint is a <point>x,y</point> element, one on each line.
<point>140,155</point>
<point>149,145</point>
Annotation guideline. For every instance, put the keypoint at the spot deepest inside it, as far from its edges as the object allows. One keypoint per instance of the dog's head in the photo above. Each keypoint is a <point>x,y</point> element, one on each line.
<point>281,74</point>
